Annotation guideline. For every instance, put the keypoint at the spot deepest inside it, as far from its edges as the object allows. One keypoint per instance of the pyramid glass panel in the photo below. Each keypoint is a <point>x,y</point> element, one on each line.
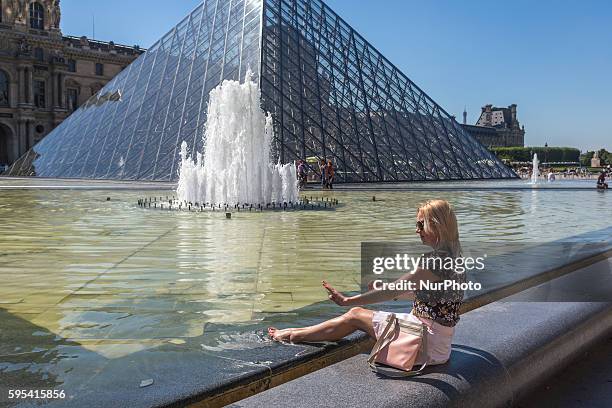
<point>331,94</point>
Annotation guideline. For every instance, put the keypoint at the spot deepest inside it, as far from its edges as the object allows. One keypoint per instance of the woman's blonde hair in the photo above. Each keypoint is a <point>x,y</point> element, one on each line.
<point>439,217</point>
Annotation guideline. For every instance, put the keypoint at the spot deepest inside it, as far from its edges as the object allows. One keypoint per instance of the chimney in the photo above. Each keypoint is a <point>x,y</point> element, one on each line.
<point>464,116</point>
<point>513,113</point>
<point>487,109</point>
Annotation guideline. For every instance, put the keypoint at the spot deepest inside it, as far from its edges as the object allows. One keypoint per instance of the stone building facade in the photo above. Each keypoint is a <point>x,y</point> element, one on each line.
<point>497,127</point>
<point>44,75</point>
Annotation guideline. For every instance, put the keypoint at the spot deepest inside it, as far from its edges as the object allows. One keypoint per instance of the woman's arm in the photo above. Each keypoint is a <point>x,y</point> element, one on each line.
<point>378,296</point>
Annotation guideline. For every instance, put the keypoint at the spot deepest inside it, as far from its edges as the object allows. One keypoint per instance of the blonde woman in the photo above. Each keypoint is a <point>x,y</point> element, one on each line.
<point>436,225</point>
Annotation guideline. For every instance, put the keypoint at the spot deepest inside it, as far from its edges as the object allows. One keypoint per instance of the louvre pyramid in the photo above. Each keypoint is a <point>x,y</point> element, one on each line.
<point>330,92</point>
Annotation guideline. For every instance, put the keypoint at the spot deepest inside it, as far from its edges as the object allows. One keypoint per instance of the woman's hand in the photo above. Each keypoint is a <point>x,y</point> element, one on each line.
<point>335,296</point>
<point>370,285</point>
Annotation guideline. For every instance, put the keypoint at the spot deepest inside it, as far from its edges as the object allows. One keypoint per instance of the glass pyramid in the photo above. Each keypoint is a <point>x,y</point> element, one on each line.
<point>332,95</point>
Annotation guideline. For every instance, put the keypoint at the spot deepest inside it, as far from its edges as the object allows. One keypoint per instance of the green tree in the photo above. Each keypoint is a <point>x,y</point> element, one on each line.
<point>585,158</point>
<point>605,156</point>
<point>549,154</point>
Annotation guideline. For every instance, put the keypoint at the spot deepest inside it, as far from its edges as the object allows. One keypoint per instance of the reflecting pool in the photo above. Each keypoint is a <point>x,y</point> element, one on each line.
<point>94,287</point>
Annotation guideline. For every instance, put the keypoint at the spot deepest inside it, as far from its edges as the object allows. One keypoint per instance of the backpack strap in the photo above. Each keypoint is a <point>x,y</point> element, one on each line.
<point>384,339</point>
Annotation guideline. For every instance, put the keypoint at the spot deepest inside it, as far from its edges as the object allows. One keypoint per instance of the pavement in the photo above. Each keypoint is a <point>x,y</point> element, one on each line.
<point>585,383</point>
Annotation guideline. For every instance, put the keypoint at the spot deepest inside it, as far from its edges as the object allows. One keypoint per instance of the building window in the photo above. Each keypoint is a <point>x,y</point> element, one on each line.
<point>39,54</point>
<point>37,16</point>
<point>72,98</point>
<point>39,94</point>
<point>99,69</point>
<point>4,89</point>
<point>72,65</point>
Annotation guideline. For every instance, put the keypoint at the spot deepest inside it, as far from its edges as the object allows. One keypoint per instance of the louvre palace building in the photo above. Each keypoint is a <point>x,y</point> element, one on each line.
<point>44,75</point>
<point>497,127</point>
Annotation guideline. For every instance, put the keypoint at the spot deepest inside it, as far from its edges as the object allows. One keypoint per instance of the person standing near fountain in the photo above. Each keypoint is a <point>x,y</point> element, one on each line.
<point>329,171</point>
<point>601,181</point>
<point>302,175</point>
<point>323,170</point>
<point>436,224</point>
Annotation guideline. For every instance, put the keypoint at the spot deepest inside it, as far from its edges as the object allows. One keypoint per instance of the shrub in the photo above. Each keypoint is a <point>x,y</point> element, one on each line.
<point>550,154</point>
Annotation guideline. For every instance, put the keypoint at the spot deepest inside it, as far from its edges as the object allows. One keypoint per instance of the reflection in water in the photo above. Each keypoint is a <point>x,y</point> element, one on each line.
<point>96,286</point>
<point>25,352</point>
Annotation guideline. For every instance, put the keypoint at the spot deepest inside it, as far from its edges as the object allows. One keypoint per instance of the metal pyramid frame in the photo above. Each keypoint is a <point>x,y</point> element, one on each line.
<point>332,96</point>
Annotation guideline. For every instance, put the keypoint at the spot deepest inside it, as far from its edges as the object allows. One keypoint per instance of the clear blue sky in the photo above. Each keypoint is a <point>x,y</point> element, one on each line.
<point>552,58</point>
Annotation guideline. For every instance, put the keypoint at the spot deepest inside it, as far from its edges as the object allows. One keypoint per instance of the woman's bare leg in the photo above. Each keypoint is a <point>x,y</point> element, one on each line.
<point>357,318</point>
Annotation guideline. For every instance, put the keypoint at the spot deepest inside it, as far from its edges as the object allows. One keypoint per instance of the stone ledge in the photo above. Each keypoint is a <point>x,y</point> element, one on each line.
<point>501,351</point>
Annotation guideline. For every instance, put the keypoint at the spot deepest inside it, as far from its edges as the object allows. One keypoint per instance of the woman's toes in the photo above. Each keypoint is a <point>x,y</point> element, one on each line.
<point>283,335</point>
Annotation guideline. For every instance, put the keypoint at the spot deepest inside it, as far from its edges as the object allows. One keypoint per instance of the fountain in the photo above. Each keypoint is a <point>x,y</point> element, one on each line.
<point>535,169</point>
<point>235,167</point>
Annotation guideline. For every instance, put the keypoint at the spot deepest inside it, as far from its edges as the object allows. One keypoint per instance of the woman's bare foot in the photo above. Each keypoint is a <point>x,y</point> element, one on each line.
<point>279,335</point>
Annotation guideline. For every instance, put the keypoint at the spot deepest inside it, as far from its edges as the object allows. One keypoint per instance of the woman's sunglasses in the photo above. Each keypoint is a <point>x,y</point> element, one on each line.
<point>420,225</point>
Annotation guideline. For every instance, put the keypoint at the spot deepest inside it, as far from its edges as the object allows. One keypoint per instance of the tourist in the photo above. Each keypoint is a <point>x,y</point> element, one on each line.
<point>302,174</point>
<point>436,225</point>
<point>329,171</point>
<point>323,170</point>
<point>601,181</point>
<point>551,176</point>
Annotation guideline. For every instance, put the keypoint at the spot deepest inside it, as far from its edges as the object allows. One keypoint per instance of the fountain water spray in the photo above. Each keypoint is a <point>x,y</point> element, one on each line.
<point>535,173</point>
<point>235,167</point>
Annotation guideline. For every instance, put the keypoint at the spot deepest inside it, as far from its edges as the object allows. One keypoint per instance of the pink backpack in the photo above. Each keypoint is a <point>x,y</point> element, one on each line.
<point>401,344</point>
